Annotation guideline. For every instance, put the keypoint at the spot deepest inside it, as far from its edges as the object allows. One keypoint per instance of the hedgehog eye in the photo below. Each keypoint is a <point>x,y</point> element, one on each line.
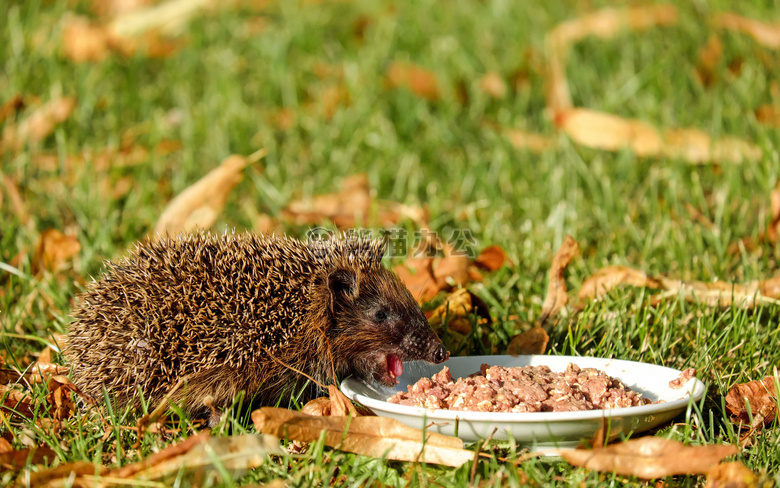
<point>380,316</point>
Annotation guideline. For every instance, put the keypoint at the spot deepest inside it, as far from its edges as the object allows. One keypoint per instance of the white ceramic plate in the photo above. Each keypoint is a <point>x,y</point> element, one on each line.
<point>540,429</point>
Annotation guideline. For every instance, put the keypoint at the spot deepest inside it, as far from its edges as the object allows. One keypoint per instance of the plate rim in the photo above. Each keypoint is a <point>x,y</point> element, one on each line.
<point>692,392</point>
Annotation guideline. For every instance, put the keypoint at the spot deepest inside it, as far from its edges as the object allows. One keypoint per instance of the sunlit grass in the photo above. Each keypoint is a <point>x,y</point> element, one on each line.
<point>221,94</point>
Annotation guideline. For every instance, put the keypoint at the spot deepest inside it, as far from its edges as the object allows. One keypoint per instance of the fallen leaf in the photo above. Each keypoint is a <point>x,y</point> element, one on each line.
<point>63,406</point>
<point>84,41</point>
<point>167,18</point>
<point>196,458</point>
<point>709,57</point>
<point>417,275</point>
<point>39,124</point>
<point>319,407</point>
<point>37,372</point>
<point>380,437</point>
<point>416,79</point>
<point>63,475</point>
<point>768,115</point>
<point>199,206</point>
<point>492,258</point>
<point>533,341</point>
<point>115,8</point>
<point>600,130</point>
<point>557,297</point>
<point>773,229</point>
<point>759,395</point>
<point>16,402</point>
<point>350,206</point>
<point>695,146</point>
<point>340,404</point>
<point>766,34</point>
<point>536,143</point>
<point>732,475</point>
<point>23,458</point>
<point>650,457</point>
<point>451,270</point>
<point>457,304</point>
<point>11,107</point>
<point>605,279</point>
<point>15,198</point>
<point>53,250</point>
<point>492,84</point>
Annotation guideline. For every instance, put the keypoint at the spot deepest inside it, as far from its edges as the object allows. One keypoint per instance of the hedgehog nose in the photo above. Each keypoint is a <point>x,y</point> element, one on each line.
<point>440,354</point>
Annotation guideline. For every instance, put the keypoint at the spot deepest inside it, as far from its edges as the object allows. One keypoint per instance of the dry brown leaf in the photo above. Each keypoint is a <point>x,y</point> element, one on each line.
<point>717,293</point>
<point>600,130</point>
<point>557,297</point>
<point>60,475</point>
<point>536,143</point>
<point>196,460</point>
<point>557,87</point>
<point>451,270</point>
<point>765,33</point>
<point>41,371</point>
<point>492,258</point>
<point>722,293</point>
<point>23,458</point>
<point>340,404</point>
<point>370,436</point>
<point>418,80</point>
<point>53,250</point>
<point>492,84</point>
<point>759,394</point>
<point>39,124</point>
<point>731,475</point>
<point>199,206</point>
<point>319,407</point>
<point>608,277</point>
<point>533,341</point>
<point>15,199</point>
<point>168,18</point>
<point>11,107</point>
<point>650,457</point>
<point>63,406</point>
<point>417,275</point>
<point>351,205</point>
<point>695,146</point>
<point>15,402</point>
<point>115,8</point>
<point>457,304</point>
<point>768,115</point>
<point>84,41</point>
<point>709,57</point>
<point>773,229</point>
<point>5,446</point>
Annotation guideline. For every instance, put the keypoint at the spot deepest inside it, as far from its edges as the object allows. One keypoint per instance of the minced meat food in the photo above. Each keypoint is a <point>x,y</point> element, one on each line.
<point>520,390</point>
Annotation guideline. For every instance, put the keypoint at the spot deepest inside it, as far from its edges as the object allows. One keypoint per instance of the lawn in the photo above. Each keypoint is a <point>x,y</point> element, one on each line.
<point>423,98</point>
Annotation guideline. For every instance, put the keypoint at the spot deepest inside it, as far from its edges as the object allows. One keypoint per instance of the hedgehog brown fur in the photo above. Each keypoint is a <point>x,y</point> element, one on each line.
<point>241,313</point>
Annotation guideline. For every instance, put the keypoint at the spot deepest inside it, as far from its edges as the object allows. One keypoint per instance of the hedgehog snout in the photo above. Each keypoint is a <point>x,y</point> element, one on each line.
<point>440,354</point>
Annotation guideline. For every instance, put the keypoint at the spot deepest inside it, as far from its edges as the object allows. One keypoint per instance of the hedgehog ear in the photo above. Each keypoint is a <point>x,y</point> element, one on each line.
<point>342,283</point>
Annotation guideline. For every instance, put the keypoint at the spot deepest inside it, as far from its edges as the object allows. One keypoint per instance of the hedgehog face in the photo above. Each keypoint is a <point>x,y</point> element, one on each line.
<point>376,325</point>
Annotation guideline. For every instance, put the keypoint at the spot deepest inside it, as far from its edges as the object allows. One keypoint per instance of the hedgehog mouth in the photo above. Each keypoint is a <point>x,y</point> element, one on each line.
<point>392,368</point>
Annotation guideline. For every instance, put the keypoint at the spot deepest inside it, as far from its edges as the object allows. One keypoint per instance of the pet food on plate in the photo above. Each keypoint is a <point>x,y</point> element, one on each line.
<point>520,390</point>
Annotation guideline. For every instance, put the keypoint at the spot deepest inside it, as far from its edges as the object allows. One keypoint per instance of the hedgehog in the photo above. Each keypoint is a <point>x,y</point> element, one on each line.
<point>243,313</point>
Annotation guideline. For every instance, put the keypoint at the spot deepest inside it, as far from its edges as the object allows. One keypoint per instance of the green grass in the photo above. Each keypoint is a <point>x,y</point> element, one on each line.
<point>224,86</point>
